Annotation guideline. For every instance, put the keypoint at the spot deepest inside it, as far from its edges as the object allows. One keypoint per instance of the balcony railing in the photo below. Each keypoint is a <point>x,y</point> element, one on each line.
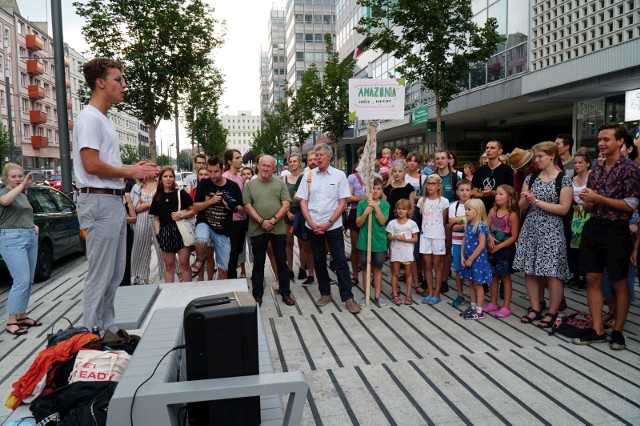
<point>36,93</point>
<point>34,67</point>
<point>37,117</point>
<point>34,42</point>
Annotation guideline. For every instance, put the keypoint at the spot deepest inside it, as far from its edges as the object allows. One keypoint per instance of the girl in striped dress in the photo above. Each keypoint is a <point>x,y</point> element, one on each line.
<point>144,238</point>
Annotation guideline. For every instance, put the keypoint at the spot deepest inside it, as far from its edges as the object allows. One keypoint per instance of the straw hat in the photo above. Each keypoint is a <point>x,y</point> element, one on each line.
<point>519,158</point>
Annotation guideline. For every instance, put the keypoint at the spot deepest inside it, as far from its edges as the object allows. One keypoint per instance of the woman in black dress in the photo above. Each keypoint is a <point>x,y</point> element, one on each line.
<point>165,212</point>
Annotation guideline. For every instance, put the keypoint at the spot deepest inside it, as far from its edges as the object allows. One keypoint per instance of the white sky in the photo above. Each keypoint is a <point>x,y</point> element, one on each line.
<point>239,57</point>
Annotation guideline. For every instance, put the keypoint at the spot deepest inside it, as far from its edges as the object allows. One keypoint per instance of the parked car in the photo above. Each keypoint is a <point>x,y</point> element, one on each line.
<point>180,176</point>
<point>56,216</point>
<point>55,180</point>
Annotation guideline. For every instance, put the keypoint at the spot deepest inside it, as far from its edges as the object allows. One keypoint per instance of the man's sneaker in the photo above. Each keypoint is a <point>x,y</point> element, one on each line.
<point>467,311</point>
<point>475,315</point>
<point>457,301</point>
<point>302,274</point>
<point>491,307</point>
<point>617,341</point>
<point>380,301</point>
<point>324,301</point>
<point>308,281</point>
<point>351,306</point>
<point>589,338</point>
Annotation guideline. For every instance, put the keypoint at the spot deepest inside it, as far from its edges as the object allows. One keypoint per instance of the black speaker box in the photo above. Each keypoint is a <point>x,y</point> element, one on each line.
<point>221,338</point>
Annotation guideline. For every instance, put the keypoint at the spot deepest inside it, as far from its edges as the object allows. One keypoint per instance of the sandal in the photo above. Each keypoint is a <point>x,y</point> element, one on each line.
<point>354,282</point>
<point>19,332</point>
<point>32,323</point>
<point>527,319</point>
<point>546,324</point>
<point>421,291</point>
<point>195,269</point>
<point>396,299</point>
<point>408,300</point>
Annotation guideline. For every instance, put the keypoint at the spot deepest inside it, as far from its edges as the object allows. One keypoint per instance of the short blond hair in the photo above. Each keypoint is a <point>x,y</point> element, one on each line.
<point>548,147</point>
<point>7,167</point>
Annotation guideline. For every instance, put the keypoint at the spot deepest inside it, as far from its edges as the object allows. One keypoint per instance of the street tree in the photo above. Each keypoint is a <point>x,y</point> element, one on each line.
<point>305,106</point>
<point>5,143</point>
<point>334,94</point>
<point>201,111</point>
<point>129,154</point>
<point>270,139</point>
<point>162,45</point>
<point>437,41</point>
<point>163,160</point>
<point>184,160</point>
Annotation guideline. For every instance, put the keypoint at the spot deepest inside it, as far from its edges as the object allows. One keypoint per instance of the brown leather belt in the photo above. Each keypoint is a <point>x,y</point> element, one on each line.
<point>108,191</point>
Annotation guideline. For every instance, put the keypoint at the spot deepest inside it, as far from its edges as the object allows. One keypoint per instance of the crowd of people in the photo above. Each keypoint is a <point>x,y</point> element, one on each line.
<point>560,219</point>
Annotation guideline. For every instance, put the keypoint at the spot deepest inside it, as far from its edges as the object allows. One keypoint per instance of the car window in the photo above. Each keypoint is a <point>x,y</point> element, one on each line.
<point>64,203</point>
<point>45,203</point>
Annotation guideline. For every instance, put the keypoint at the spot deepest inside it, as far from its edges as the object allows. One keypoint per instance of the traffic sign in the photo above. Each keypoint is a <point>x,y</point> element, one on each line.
<point>420,115</point>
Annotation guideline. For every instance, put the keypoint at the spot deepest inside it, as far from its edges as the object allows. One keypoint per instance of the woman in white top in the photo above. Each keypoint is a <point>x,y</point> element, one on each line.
<point>582,168</point>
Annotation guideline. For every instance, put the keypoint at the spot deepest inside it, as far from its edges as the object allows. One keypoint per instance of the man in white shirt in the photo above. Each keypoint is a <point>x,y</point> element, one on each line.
<point>322,203</point>
<point>191,181</point>
<point>99,176</point>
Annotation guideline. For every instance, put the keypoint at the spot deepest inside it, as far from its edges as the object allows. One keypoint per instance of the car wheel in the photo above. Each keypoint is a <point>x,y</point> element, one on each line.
<point>45,262</point>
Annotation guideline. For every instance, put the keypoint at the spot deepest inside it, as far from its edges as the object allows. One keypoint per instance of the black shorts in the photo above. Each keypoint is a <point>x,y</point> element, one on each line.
<point>606,243</point>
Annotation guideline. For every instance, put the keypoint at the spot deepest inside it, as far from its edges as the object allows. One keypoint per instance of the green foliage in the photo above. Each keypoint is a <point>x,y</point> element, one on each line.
<point>5,143</point>
<point>163,45</point>
<point>334,98</point>
<point>201,117</point>
<point>271,138</point>
<point>163,160</point>
<point>249,157</point>
<point>437,41</point>
<point>304,106</point>
<point>184,159</point>
<point>129,154</point>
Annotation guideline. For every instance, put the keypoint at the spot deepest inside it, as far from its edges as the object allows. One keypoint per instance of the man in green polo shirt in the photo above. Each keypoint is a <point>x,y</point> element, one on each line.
<point>266,201</point>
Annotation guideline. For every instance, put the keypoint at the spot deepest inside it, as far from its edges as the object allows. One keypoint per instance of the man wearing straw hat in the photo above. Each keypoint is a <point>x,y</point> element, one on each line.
<point>322,202</point>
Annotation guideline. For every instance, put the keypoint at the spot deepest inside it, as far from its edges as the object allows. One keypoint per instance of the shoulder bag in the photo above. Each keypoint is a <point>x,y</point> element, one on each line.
<point>186,226</point>
<point>300,229</point>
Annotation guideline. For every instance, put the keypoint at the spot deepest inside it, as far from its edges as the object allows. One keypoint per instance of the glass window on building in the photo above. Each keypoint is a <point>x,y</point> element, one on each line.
<point>499,11</point>
<point>299,37</point>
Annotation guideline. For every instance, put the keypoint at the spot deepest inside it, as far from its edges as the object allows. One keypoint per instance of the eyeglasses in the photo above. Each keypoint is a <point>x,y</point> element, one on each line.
<point>432,183</point>
<point>119,79</point>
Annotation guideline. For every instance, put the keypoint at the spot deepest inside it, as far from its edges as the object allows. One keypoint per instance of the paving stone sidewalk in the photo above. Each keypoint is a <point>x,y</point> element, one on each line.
<point>406,365</point>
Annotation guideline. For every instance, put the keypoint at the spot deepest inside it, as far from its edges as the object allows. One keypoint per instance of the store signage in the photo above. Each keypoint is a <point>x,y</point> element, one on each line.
<point>376,99</point>
<point>632,105</point>
<point>420,115</point>
<point>590,109</point>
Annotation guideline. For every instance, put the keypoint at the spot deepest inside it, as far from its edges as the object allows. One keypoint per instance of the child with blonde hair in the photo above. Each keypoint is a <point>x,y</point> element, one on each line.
<point>385,163</point>
<point>504,226</point>
<point>434,209</point>
<point>402,234</point>
<point>474,257</point>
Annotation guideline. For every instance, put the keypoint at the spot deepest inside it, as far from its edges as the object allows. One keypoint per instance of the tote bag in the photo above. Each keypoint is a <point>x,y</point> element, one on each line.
<point>186,227</point>
<point>92,365</point>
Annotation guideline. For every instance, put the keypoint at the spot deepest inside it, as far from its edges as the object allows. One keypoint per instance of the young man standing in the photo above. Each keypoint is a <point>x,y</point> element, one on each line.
<point>491,175</point>
<point>564,142</point>
<point>612,195</point>
<point>216,200</point>
<point>191,181</point>
<point>232,166</point>
<point>99,176</point>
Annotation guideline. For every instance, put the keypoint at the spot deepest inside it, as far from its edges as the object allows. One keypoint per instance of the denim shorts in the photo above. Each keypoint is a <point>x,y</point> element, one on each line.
<point>221,244</point>
<point>377,258</point>
<point>456,250</point>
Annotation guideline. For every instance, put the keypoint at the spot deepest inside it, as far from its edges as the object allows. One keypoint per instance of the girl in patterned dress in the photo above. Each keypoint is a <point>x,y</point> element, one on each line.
<point>475,262</point>
<point>504,224</point>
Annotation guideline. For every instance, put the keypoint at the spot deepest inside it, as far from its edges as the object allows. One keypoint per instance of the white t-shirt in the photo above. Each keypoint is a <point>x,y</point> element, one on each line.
<point>94,130</point>
<point>457,210</point>
<point>432,220</point>
<point>402,251</point>
<point>191,181</point>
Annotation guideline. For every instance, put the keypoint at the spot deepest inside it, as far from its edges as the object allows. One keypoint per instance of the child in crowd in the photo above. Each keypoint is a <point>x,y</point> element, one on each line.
<point>474,258</point>
<point>376,210</point>
<point>398,188</point>
<point>402,233</point>
<point>504,225</point>
<point>385,163</point>
<point>464,188</point>
<point>434,210</point>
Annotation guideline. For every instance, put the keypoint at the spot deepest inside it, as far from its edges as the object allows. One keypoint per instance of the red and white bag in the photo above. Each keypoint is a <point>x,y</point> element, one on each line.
<point>92,365</point>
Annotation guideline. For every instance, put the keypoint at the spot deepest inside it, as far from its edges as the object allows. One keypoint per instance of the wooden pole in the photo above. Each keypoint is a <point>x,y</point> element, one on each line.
<point>367,281</point>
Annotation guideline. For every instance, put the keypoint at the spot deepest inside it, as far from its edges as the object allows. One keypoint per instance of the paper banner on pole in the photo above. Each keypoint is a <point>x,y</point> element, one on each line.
<point>376,99</point>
